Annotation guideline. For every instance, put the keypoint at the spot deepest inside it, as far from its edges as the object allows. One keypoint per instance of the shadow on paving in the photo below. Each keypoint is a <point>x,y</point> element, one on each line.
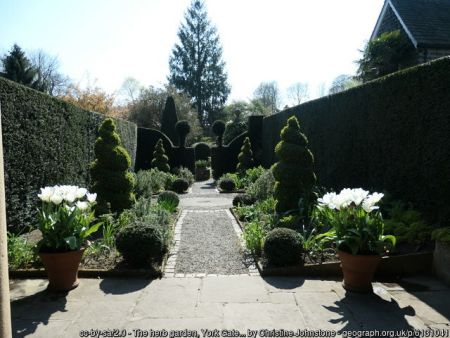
<point>283,283</point>
<point>40,307</point>
<point>371,313</point>
<point>111,286</point>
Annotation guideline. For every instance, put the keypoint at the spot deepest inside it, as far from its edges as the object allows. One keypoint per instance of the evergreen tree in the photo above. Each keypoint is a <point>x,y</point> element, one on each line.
<point>245,157</point>
<point>169,119</point>
<point>160,159</point>
<point>112,180</point>
<point>17,67</point>
<point>293,173</point>
<point>196,65</point>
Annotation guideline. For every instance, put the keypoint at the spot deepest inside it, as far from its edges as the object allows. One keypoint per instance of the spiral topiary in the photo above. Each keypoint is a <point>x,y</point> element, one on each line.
<point>293,173</point>
<point>183,128</point>
<point>112,164</point>
<point>245,157</point>
<point>218,128</point>
<point>283,247</point>
<point>160,160</point>
<point>202,151</point>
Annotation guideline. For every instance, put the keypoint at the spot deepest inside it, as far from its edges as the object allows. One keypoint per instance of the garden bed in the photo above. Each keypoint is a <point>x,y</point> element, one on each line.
<point>105,264</point>
<point>397,265</point>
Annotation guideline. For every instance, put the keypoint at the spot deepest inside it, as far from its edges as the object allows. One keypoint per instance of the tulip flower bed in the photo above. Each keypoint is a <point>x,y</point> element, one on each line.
<point>67,222</point>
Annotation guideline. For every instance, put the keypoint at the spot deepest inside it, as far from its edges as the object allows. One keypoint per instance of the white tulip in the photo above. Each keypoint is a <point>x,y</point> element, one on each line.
<point>91,197</point>
<point>56,199</point>
<point>82,205</point>
<point>70,197</point>
<point>369,203</point>
<point>46,194</point>
<point>327,200</point>
<point>358,195</point>
<point>81,192</point>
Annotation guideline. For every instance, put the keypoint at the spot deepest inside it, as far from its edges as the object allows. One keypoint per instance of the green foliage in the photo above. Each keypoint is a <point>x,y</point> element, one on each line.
<point>46,141</point>
<point>243,199</point>
<point>144,211</point>
<point>233,129</point>
<point>388,53</point>
<point>294,175</point>
<point>139,242</point>
<point>160,160</point>
<point>442,235</point>
<point>183,128</point>
<point>184,173</point>
<point>18,68</point>
<point>283,247</point>
<point>389,134</point>
<point>293,222</point>
<point>263,187</point>
<point>112,164</point>
<point>152,181</point>
<point>250,176</point>
<point>180,185</point>
<point>258,211</point>
<point>203,164</point>
<point>169,119</point>
<point>406,224</point>
<point>199,45</point>
<point>202,151</point>
<point>21,254</point>
<point>245,156</point>
<point>254,235</point>
<point>169,200</point>
<point>227,184</point>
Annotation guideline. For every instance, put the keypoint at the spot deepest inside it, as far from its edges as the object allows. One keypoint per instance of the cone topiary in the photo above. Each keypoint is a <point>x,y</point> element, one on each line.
<point>169,119</point>
<point>160,160</point>
<point>293,173</point>
<point>245,157</point>
<point>111,178</point>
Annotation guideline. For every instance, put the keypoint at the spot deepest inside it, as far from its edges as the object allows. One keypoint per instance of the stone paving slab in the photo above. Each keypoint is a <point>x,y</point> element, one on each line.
<point>231,302</point>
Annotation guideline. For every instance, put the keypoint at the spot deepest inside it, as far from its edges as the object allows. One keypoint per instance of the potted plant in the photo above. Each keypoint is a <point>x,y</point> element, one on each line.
<point>201,170</point>
<point>65,221</point>
<point>357,229</point>
<point>441,256</point>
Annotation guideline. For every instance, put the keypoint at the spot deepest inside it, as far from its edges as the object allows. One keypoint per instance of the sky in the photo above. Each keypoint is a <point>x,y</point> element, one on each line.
<point>104,41</point>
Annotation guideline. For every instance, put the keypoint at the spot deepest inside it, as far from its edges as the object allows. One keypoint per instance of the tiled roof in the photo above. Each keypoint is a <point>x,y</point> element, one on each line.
<point>427,21</point>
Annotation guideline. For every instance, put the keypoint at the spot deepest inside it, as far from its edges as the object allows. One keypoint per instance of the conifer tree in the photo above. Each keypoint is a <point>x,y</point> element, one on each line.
<point>245,157</point>
<point>17,67</point>
<point>160,160</point>
<point>196,65</point>
<point>112,180</point>
<point>293,173</point>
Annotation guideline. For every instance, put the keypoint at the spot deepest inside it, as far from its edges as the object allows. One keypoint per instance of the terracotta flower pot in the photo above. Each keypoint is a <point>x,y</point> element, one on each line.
<point>358,271</point>
<point>62,269</point>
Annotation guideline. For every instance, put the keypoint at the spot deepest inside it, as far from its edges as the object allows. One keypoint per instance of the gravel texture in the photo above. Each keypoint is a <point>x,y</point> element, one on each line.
<point>210,245</point>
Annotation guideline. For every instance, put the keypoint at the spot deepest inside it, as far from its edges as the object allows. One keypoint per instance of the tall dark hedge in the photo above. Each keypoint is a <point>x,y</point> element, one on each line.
<point>293,172</point>
<point>169,119</point>
<point>46,141</point>
<point>111,178</point>
<point>389,134</point>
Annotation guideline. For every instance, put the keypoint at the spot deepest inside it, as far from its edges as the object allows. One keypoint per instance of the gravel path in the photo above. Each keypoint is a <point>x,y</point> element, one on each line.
<point>209,244</point>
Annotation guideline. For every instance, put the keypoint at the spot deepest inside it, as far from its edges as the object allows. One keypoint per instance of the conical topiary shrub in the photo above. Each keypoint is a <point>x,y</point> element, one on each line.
<point>293,173</point>
<point>169,119</point>
<point>160,160</point>
<point>245,157</point>
<point>111,178</point>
